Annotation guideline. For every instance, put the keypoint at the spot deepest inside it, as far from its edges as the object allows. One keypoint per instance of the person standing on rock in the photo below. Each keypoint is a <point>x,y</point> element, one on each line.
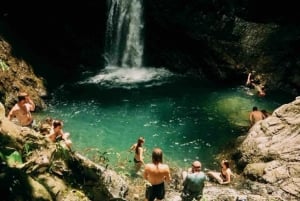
<point>156,173</point>
<point>255,116</point>
<point>22,110</point>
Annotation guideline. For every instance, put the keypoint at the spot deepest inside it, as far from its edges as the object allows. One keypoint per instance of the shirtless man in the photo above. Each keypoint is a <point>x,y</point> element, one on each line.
<point>255,116</point>
<point>156,173</point>
<point>22,110</point>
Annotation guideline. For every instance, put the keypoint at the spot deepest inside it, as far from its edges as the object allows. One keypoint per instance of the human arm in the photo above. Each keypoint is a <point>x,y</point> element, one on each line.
<point>141,156</point>
<point>227,177</point>
<point>167,176</point>
<point>250,118</point>
<point>146,172</point>
<point>52,136</point>
<point>31,103</point>
<point>65,136</point>
<point>248,79</point>
<point>11,113</point>
<point>132,147</point>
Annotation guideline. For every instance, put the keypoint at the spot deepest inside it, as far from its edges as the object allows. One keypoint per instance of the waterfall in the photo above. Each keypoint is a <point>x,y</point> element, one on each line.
<point>124,50</point>
<point>124,41</point>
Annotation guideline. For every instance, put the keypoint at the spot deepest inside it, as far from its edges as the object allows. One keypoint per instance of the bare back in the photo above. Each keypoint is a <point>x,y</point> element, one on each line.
<point>157,174</point>
<point>256,116</point>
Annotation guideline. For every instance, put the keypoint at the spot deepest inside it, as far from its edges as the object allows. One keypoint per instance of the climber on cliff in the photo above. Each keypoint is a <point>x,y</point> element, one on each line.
<point>256,84</point>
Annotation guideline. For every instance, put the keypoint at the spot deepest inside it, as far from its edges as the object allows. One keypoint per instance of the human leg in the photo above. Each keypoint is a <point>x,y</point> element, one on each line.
<point>215,175</point>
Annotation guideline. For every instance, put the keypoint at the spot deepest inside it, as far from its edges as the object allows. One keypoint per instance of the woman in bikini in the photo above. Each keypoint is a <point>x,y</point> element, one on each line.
<point>223,177</point>
<point>138,150</point>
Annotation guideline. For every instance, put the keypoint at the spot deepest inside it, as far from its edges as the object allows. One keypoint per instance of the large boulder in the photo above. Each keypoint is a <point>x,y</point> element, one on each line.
<point>270,153</point>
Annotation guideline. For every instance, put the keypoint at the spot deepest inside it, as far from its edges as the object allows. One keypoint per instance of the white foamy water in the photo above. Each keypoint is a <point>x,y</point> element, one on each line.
<point>129,77</point>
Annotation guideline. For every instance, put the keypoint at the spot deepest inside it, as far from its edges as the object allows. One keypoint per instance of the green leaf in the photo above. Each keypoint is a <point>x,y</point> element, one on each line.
<point>14,158</point>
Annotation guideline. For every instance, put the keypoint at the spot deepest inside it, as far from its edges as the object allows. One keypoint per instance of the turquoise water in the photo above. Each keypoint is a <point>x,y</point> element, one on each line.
<point>188,118</point>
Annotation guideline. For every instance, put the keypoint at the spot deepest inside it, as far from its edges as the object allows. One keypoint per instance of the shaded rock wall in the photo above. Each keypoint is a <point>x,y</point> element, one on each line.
<point>16,75</point>
<point>226,39</point>
<point>221,40</point>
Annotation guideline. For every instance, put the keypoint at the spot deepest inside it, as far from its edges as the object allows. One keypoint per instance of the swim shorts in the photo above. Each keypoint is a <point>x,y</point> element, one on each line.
<point>155,191</point>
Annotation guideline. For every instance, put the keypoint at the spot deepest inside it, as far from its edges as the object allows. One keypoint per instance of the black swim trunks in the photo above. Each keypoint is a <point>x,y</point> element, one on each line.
<point>155,191</point>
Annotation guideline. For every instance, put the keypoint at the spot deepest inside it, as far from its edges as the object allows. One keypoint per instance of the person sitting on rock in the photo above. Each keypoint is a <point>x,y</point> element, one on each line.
<point>57,134</point>
<point>193,182</point>
<point>223,177</point>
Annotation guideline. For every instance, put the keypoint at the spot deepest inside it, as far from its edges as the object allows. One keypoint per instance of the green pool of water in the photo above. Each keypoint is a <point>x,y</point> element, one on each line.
<point>188,118</point>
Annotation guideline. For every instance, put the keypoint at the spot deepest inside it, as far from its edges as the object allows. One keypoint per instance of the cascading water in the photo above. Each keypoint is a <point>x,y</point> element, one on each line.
<point>124,49</point>
<point>124,41</point>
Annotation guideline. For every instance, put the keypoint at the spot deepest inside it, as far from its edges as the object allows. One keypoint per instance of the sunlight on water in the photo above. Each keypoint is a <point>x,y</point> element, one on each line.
<point>129,77</point>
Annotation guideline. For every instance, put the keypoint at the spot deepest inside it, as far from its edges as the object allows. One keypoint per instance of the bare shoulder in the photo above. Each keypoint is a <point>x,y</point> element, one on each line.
<point>148,166</point>
<point>164,167</point>
<point>15,107</point>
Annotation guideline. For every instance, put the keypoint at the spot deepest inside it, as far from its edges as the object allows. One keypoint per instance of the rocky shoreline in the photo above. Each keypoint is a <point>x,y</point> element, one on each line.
<point>267,157</point>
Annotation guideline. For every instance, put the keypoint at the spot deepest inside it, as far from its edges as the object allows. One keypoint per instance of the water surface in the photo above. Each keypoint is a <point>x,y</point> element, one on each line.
<point>188,118</point>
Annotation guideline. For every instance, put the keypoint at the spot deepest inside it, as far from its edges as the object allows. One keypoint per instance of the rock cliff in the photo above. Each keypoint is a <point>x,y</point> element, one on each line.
<point>270,153</point>
<point>16,75</point>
